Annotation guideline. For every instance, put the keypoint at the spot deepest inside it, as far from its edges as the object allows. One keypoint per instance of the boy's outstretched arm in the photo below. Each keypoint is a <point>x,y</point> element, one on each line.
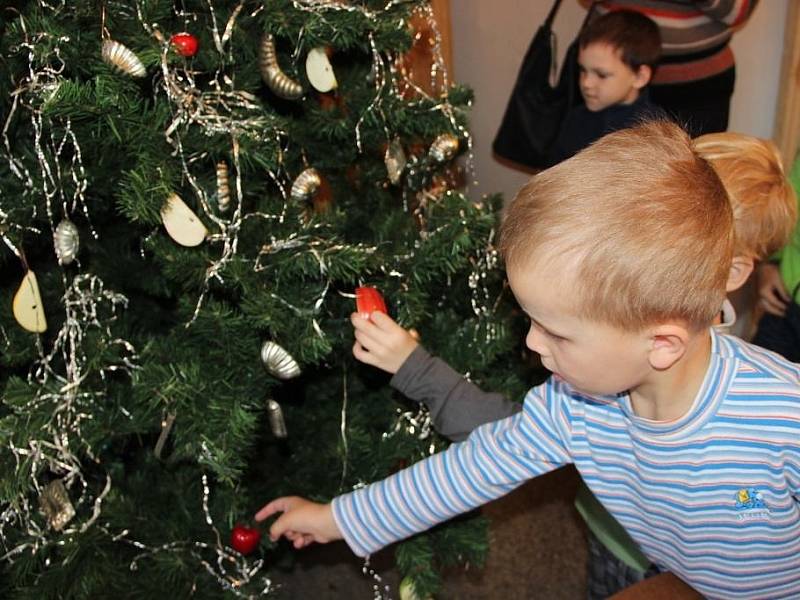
<point>302,521</point>
<point>457,405</point>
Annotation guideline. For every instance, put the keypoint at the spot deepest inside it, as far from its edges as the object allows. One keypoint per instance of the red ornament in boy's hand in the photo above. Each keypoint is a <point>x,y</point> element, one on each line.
<point>245,539</point>
<point>368,300</point>
<point>185,44</point>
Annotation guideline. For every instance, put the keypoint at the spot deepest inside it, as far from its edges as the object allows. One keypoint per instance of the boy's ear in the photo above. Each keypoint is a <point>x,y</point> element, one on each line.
<point>642,76</point>
<point>667,345</point>
<point>741,267</point>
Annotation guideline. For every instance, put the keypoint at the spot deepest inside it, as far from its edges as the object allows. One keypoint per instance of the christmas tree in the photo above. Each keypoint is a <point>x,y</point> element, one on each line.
<point>191,192</point>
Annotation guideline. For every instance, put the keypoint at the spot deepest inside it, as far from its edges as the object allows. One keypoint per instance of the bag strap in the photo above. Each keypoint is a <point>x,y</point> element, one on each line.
<point>588,17</point>
<point>551,16</point>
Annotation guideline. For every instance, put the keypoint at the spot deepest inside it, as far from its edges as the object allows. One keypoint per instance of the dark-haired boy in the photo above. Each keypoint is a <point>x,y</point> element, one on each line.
<point>618,54</point>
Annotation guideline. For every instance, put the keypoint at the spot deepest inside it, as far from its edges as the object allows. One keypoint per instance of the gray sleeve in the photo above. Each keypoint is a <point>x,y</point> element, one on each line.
<point>457,405</point>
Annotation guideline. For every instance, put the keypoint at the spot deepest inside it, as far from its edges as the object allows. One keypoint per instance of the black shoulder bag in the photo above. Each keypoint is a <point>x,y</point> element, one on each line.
<point>536,109</point>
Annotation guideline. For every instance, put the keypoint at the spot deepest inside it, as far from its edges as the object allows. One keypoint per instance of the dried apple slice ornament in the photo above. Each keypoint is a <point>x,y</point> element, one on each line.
<point>181,223</point>
<point>27,305</point>
<point>319,70</point>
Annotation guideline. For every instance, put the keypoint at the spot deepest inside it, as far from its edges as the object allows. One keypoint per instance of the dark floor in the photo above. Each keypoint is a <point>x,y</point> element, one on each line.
<point>538,550</point>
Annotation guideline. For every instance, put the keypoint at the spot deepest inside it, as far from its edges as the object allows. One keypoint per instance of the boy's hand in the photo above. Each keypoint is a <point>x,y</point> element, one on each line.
<point>381,342</point>
<point>773,296</point>
<point>302,521</point>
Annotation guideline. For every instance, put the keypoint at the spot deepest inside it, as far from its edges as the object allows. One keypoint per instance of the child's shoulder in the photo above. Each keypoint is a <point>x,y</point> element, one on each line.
<point>760,368</point>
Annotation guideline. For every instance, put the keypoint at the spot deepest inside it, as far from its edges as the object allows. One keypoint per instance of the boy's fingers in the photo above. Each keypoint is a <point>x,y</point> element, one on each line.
<point>277,505</point>
<point>782,293</point>
<point>364,355</point>
<point>368,341</point>
<point>383,321</point>
<point>280,527</point>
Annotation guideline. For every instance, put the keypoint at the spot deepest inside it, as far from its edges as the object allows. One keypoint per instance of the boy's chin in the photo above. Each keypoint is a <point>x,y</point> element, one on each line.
<point>594,106</point>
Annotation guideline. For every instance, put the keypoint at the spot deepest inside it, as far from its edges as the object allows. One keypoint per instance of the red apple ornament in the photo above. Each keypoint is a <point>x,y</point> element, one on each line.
<point>245,539</point>
<point>368,300</point>
<point>184,43</point>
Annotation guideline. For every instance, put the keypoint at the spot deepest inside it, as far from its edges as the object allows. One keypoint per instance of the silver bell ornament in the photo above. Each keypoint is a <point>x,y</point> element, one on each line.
<point>278,361</point>
<point>66,241</point>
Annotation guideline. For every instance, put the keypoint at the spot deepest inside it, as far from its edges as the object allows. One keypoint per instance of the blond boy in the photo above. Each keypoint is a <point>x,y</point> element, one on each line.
<point>620,257</point>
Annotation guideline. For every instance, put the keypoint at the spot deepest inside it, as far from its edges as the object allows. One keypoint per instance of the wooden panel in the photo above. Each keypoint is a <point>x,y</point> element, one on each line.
<point>420,58</point>
<point>787,117</point>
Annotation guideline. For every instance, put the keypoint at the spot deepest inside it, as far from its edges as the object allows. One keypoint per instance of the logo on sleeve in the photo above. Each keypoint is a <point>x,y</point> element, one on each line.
<point>750,504</point>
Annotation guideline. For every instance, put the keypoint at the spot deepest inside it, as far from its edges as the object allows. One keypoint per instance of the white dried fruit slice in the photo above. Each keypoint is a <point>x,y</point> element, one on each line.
<point>319,70</point>
<point>27,306</point>
<point>181,223</point>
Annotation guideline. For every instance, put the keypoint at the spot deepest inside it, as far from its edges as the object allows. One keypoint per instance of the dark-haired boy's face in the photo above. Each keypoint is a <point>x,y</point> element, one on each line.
<point>605,80</point>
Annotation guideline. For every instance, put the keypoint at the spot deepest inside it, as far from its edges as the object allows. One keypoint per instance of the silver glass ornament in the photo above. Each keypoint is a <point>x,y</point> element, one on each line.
<point>66,241</point>
<point>122,59</point>
<point>306,185</point>
<point>444,147</point>
<point>395,160</point>
<point>55,504</point>
<point>279,82</point>
<point>278,361</point>
<point>276,421</point>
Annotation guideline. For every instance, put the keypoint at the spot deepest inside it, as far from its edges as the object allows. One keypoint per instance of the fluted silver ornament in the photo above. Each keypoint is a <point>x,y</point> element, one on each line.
<point>276,421</point>
<point>66,241</point>
<point>278,361</point>
<point>306,185</point>
<point>444,147</point>
<point>278,81</point>
<point>122,58</point>
<point>395,160</point>
<point>55,504</point>
<point>223,188</point>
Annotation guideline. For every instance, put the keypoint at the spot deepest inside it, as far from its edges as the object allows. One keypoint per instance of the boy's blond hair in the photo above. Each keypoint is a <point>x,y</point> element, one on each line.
<point>638,221</point>
<point>763,201</point>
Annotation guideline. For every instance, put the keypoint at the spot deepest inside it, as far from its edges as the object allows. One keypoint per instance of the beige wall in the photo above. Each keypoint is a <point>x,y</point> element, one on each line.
<point>490,38</point>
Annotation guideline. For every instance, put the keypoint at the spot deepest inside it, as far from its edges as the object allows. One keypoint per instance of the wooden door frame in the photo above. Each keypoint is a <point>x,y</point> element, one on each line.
<point>787,115</point>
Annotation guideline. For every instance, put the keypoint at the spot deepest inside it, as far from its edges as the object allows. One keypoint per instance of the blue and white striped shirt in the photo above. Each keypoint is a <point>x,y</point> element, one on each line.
<point>713,496</point>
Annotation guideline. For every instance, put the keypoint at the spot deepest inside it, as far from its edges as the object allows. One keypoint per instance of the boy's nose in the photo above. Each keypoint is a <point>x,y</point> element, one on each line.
<point>535,340</point>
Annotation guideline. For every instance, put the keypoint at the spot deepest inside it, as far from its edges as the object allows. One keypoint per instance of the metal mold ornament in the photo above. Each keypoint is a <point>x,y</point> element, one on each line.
<point>122,59</point>
<point>395,160</point>
<point>278,361</point>
<point>306,185</point>
<point>280,83</point>
<point>276,421</point>
<point>223,188</point>
<point>444,147</point>
<point>66,241</point>
<point>55,505</point>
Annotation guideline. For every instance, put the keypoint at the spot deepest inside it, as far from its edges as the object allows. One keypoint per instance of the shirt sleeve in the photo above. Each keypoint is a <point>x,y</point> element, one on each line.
<point>457,406</point>
<point>495,459</point>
